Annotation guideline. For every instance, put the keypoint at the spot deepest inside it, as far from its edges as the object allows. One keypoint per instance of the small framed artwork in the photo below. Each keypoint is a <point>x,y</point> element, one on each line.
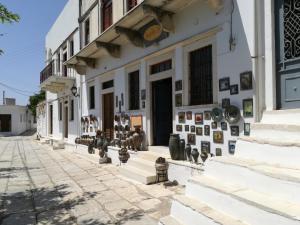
<point>189,115</point>
<point>231,147</point>
<point>214,125</point>
<point>191,139</point>
<point>246,81</point>
<point>199,131</point>
<point>178,100</point>
<point>205,146</point>
<point>178,85</point>
<point>235,131</point>
<point>207,130</point>
<point>199,118</point>
<point>218,137</point>
<point>122,99</point>
<point>224,84</point>
<point>181,117</point>
<point>207,115</point>
<point>179,128</point>
<point>193,129</point>
<point>218,152</point>
<point>117,101</point>
<point>234,89</point>
<point>186,128</point>
<point>224,126</point>
<point>143,94</point>
<point>248,107</point>
<point>143,104</point>
<point>225,103</point>
<point>246,129</point>
<point>120,105</point>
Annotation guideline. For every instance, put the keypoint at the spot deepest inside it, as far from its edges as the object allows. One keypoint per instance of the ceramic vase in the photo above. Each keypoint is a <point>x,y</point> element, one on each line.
<point>195,155</point>
<point>182,149</point>
<point>188,151</point>
<point>174,146</point>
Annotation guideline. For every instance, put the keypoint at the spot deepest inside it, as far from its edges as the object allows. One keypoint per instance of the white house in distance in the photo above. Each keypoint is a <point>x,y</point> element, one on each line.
<point>15,119</point>
<point>189,67</point>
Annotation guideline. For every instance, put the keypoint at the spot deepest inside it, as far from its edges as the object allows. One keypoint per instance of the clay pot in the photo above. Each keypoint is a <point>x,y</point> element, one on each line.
<point>123,155</point>
<point>188,151</point>
<point>174,146</point>
<point>204,156</point>
<point>182,149</point>
<point>195,155</point>
<point>136,140</point>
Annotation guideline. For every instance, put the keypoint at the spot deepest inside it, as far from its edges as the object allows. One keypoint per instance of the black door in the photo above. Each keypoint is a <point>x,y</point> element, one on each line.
<point>288,53</point>
<point>162,111</point>
<point>51,119</point>
<point>66,122</point>
<point>5,123</point>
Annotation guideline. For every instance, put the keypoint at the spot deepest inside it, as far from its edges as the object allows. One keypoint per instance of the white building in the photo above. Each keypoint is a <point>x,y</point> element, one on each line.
<point>156,60</point>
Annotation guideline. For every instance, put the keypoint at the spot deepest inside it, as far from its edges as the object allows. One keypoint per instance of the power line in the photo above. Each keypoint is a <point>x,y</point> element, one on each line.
<point>18,91</point>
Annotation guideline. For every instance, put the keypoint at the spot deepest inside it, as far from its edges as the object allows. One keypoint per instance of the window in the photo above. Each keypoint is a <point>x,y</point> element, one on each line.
<point>131,4</point>
<point>162,66</point>
<point>201,77</point>
<point>87,32</point>
<point>72,110</point>
<point>106,14</point>
<point>58,62</point>
<point>92,97</point>
<point>65,69</point>
<point>107,84</point>
<point>71,48</point>
<point>20,118</point>
<point>60,111</point>
<point>134,90</point>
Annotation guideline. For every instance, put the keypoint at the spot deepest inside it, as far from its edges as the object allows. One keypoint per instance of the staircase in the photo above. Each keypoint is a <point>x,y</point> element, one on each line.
<point>260,185</point>
<point>142,168</point>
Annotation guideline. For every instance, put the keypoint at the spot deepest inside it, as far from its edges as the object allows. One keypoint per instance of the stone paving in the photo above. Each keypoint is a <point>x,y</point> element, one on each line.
<point>42,186</point>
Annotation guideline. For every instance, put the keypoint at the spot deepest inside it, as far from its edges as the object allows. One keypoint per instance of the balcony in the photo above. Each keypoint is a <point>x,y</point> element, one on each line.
<point>57,81</point>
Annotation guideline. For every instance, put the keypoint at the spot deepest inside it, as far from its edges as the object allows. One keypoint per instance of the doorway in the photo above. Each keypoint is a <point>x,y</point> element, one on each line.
<point>5,123</point>
<point>108,115</point>
<point>162,111</point>
<point>51,119</point>
<point>66,122</point>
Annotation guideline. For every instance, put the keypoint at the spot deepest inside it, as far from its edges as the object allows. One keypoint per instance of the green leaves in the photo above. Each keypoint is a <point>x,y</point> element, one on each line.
<point>7,16</point>
<point>35,100</point>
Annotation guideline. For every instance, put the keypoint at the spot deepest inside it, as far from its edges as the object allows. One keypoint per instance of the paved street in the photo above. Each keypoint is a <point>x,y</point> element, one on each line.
<point>42,186</point>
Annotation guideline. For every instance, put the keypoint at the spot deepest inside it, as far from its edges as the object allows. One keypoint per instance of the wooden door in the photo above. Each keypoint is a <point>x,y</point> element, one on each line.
<point>108,115</point>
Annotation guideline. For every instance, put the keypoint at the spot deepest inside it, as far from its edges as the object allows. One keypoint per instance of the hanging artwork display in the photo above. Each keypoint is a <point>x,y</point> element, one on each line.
<point>235,130</point>
<point>189,115</point>
<point>231,147</point>
<point>225,103</point>
<point>178,100</point>
<point>199,131</point>
<point>193,129</point>
<point>181,117</point>
<point>143,104</point>
<point>246,129</point>
<point>207,130</point>
<point>178,85</point>
<point>191,139</point>
<point>143,94</point>
<point>218,137</point>
<point>205,146</point>
<point>198,118</point>
<point>216,114</point>
<point>246,81</point>
<point>207,115</point>
<point>179,128</point>
<point>224,126</point>
<point>248,107</point>
<point>214,125</point>
<point>186,128</point>
<point>234,89</point>
<point>218,152</point>
<point>117,101</point>
<point>136,121</point>
<point>224,84</point>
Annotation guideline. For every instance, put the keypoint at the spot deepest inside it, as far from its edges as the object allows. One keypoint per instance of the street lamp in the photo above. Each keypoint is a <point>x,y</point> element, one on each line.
<point>74,91</point>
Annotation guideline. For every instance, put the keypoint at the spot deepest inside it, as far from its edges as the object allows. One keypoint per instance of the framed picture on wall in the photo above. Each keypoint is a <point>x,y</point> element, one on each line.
<point>179,128</point>
<point>117,101</point>
<point>246,81</point>
<point>143,94</point>
<point>186,128</point>
<point>191,138</point>
<point>178,100</point>
<point>193,129</point>
<point>189,115</point>
<point>205,146</point>
<point>178,85</point>
<point>231,147</point>
<point>225,103</point>
<point>246,129</point>
<point>198,118</point>
<point>207,130</point>
<point>224,84</point>
<point>235,131</point>
<point>234,89</point>
<point>218,152</point>
<point>143,104</point>
<point>218,137</point>
<point>181,117</point>
<point>248,107</point>
<point>224,126</point>
<point>199,131</point>
<point>214,125</point>
<point>207,115</point>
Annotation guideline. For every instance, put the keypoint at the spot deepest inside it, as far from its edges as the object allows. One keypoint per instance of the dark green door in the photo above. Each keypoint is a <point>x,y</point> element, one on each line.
<point>288,53</point>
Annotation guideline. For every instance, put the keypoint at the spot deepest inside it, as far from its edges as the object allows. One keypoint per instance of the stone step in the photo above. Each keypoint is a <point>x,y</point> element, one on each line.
<point>153,156</point>
<point>142,164</point>
<point>290,116</point>
<point>142,176</point>
<point>169,220</point>
<point>268,152</point>
<point>256,176</point>
<point>192,211</point>
<point>242,203</point>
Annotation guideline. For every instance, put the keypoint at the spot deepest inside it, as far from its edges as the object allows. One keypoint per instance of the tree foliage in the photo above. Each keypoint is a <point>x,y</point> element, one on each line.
<point>35,100</point>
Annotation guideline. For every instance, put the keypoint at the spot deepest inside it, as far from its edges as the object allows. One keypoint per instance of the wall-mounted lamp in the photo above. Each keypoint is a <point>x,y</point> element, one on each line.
<point>74,91</point>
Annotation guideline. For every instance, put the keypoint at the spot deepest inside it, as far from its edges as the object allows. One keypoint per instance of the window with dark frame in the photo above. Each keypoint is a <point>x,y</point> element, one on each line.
<point>87,31</point>
<point>92,97</point>
<point>72,110</point>
<point>161,67</point>
<point>131,4</point>
<point>71,48</point>
<point>201,76</point>
<point>107,84</point>
<point>107,14</point>
<point>60,111</point>
<point>58,62</point>
<point>134,90</point>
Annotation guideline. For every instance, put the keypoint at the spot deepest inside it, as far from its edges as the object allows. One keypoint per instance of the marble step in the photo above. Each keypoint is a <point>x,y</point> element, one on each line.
<point>142,176</point>
<point>169,220</point>
<point>142,164</point>
<point>268,152</point>
<point>290,116</point>
<point>153,156</point>
<point>242,202</point>
<point>192,211</point>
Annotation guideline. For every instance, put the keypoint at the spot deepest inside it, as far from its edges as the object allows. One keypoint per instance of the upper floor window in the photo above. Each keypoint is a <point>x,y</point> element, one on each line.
<point>131,4</point>
<point>60,110</point>
<point>58,62</point>
<point>161,67</point>
<point>92,97</point>
<point>201,76</point>
<point>71,48</point>
<point>87,31</point>
<point>107,14</point>
<point>65,69</point>
<point>72,110</point>
<point>134,90</point>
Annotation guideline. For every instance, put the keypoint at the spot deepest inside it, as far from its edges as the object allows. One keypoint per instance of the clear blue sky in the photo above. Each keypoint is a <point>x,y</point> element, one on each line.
<point>23,44</point>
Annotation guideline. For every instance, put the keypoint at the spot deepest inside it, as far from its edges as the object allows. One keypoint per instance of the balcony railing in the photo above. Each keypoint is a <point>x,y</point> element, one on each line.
<point>56,68</point>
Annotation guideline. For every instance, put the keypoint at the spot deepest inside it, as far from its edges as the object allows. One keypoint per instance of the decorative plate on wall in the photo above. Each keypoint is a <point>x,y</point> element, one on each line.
<point>232,114</point>
<point>217,114</point>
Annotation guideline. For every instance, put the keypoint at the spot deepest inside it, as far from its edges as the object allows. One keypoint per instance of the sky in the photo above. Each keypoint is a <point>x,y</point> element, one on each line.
<point>23,44</point>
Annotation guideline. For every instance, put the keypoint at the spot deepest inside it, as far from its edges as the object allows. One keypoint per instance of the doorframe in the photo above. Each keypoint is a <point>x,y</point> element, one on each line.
<point>156,77</point>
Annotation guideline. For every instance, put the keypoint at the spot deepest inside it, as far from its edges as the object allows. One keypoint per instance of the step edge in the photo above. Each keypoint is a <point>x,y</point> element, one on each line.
<point>129,168</point>
<point>170,217</point>
<point>269,142</point>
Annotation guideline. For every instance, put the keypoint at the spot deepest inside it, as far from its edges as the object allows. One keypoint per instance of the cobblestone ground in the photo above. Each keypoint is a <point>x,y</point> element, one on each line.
<point>42,186</point>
